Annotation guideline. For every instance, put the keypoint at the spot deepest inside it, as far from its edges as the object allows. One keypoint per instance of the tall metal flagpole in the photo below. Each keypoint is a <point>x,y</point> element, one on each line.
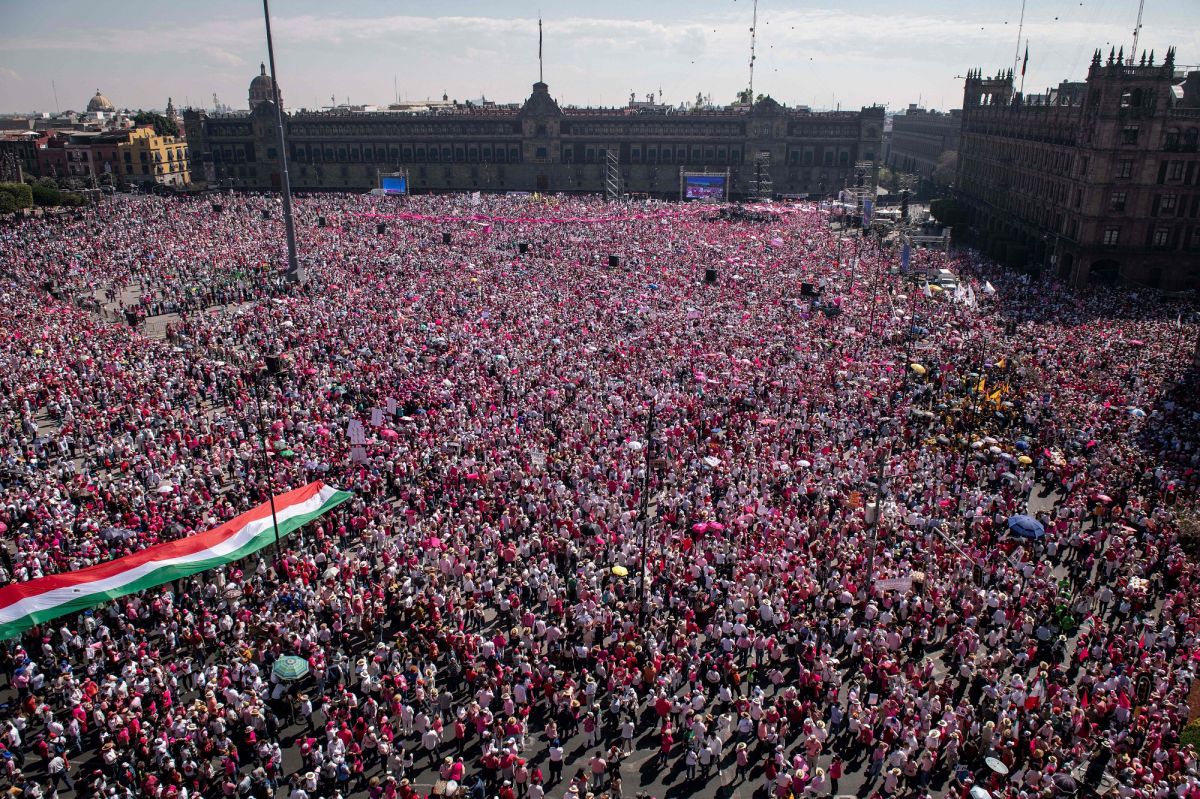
<point>1020,30</point>
<point>1137,29</point>
<point>753,41</point>
<point>285,184</point>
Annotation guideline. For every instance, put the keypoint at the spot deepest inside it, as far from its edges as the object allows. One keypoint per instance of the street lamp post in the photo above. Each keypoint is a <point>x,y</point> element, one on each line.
<point>873,517</point>
<point>266,457</point>
<point>644,512</point>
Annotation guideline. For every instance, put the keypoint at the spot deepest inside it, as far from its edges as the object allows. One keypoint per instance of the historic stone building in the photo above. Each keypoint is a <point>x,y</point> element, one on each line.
<point>919,137</point>
<point>1099,180</point>
<point>538,146</point>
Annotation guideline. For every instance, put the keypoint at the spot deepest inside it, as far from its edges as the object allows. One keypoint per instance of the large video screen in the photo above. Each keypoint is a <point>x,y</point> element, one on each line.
<point>704,187</point>
<point>395,185</point>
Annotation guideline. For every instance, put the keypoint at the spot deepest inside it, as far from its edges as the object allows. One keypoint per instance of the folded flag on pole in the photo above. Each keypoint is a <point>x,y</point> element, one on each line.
<point>24,605</point>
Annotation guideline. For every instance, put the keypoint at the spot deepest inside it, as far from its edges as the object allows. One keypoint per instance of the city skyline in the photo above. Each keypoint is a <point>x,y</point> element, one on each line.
<point>808,54</point>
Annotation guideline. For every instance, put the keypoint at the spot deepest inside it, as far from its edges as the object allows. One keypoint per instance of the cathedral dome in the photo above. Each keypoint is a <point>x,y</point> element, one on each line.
<point>101,103</point>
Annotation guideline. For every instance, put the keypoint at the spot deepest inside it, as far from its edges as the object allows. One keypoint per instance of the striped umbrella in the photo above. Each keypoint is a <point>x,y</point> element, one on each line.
<point>290,668</point>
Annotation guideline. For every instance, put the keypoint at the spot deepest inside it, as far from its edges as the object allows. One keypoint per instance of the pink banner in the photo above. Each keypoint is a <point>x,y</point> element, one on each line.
<point>537,220</point>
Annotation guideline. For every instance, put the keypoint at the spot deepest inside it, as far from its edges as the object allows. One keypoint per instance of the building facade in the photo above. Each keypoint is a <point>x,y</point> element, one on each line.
<point>19,153</point>
<point>118,157</point>
<point>919,137</point>
<point>1099,180</point>
<point>146,157</point>
<point>538,146</point>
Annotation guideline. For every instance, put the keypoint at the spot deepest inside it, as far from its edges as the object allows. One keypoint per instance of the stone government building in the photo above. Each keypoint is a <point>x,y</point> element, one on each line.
<point>1100,178</point>
<point>537,146</point>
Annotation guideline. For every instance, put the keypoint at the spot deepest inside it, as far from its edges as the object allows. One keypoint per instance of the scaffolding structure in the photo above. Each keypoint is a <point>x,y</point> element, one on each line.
<point>762,188</point>
<point>864,185</point>
<point>612,177</point>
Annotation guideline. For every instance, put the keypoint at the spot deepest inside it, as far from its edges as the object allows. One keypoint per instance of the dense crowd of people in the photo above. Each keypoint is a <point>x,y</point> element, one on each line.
<point>614,527</point>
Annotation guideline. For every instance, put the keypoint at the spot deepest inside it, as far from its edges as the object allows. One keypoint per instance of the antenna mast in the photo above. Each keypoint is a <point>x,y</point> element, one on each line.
<point>753,37</point>
<point>1137,30</point>
<point>1020,30</point>
<point>540,80</point>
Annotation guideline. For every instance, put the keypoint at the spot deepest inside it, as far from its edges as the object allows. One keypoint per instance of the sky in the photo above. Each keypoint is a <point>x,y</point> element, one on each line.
<point>819,53</point>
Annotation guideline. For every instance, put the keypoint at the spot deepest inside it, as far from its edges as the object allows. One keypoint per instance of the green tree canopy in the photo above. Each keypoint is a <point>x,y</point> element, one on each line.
<point>161,124</point>
<point>947,166</point>
<point>21,195</point>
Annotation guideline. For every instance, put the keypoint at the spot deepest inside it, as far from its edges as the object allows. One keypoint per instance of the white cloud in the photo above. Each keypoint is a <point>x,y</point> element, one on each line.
<point>223,58</point>
<point>804,53</point>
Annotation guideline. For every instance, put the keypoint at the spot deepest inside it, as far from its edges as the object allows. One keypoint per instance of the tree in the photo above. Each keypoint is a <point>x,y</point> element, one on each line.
<point>745,96</point>
<point>19,194</point>
<point>948,212</point>
<point>46,195</point>
<point>8,204</point>
<point>947,166</point>
<point>162,125</point>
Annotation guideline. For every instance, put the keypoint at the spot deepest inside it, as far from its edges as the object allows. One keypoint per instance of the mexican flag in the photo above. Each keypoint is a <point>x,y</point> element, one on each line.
<point>23,605</point>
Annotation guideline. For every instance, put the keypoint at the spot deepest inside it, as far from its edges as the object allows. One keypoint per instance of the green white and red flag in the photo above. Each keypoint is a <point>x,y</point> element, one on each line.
<point>24,605</point>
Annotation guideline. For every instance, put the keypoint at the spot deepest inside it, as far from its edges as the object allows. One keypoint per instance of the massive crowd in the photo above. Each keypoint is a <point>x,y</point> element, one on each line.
<point>613,526</point>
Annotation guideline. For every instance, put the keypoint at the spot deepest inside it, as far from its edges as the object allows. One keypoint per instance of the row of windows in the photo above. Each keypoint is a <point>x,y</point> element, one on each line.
<point>395,154</point>
<point>1158,237</point>
<point>169,169</point>
<point>341,129</point>
<point>627,130</point>
<point>1168,204</point>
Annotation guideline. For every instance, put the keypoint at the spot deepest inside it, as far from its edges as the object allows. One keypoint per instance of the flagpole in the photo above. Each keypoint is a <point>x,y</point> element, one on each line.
<point>285,185</point>
<point>1020,32</point>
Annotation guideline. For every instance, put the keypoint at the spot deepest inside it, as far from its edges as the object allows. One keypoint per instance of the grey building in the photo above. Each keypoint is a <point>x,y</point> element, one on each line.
<point>919,137</point>
<point>538,146</point>
<point>1099,180</point>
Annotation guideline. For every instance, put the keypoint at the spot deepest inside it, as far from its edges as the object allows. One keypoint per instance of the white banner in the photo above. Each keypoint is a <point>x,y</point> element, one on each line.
<point>894,584</point>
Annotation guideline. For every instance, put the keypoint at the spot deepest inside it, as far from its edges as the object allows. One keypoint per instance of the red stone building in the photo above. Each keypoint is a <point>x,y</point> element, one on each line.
<point>1098,180</point>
